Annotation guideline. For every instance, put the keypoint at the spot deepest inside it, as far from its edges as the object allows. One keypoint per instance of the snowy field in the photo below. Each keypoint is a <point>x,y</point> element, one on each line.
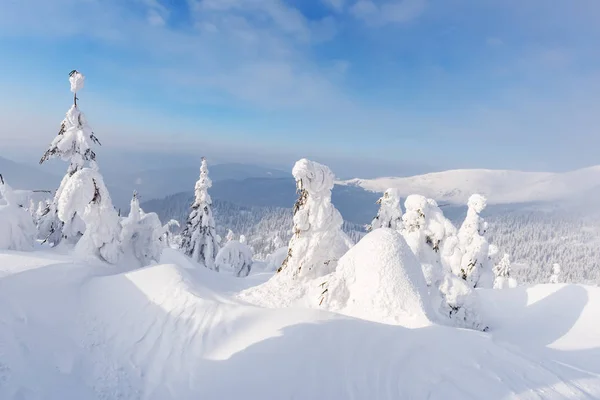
<point>72,329</point>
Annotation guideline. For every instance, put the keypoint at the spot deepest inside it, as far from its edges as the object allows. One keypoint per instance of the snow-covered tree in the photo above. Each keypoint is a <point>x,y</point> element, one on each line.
<point>199,238</point>
<point>475,267</point>
<point>143,235</point>
<point>502,271</point>
<point>17,231</point>
<point>86,195</point>
<point>235,256</point>
<point>426,231</point>
<point>318,240</point>
<point>460,303</point>
<point>390,212</point>
<point>230,236</point>
<point>73,143</point>
<point>556,274</point>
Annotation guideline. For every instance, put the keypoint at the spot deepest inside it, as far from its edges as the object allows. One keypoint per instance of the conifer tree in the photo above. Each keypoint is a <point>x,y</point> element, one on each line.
<point>502,272</point>
<point>199,238</point>
<point>17,231</point>
<point>73,143</point>
<point>556,274</point>
<point>390,212</point>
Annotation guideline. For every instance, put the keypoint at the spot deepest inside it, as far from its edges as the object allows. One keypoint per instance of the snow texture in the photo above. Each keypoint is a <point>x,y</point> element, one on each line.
<point>17,230</point>
<point>390,212</point>
<point>379,279</point>
<point>318,240</point>
<point>85,195</point>
<point>199,238</point>
<point>235,256</point>
<point>502,271</point>
<point>556,274</point>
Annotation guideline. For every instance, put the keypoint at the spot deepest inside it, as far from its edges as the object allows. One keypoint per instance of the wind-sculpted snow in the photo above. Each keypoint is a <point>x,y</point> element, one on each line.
<point>77,331</point>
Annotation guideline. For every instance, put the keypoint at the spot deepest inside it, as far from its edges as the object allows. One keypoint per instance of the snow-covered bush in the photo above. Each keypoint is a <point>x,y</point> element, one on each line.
<point>235,256</point>
<point>390,212</point>
<point>318,240</point>
<point>17,230</point>
<point>199,238</point>
<point>274,260</point>
<point>502,271</point>
<point>475,267</point>
<point>86,195</point>
<point>73,143</point>
<point>142,234</point>
<point>459,303</point>
<point>379,279</point>
<point>556,274</point>
<point>426,231</point>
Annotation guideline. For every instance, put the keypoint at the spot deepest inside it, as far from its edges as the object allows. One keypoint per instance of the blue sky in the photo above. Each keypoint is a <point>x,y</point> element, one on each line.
<point>396,85</point>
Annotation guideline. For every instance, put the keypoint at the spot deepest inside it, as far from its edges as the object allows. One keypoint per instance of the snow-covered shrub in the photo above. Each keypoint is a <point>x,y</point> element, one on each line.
<point>390,212</point>
<point>274,260</point>
<point>556,274</point>
<point>459,303</point>
<point>142,234</point>
<point>502,271</point>
<point>73,143</point>
<point>426,231</point>
<point>86,195</point>
<point>379,279</point>
<point>318,240</point>
<point>235,256</point>
<point>475,267</point>
<point>17,230</point>
<point>199,238</point>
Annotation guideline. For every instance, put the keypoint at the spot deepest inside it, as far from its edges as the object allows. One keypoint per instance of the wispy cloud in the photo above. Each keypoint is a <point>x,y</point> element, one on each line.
<point>395,11</point>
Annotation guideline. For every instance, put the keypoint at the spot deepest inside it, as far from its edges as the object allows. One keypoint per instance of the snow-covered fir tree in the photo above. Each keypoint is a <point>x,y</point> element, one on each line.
<point>502,272</point>
<point>73,143</point>
<point>143,236</point>
<point>17,230</point>
<point>230,236</point>
<point>86,195</point>
<point>556,274</point>
<point>390,212</point>
<point>235,256</point>
<point>318,240</point>
<point>199,238</point>
<point>475,267</point>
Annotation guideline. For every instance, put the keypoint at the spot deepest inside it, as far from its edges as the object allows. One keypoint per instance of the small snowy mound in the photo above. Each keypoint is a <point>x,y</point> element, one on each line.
<point>381,280</point>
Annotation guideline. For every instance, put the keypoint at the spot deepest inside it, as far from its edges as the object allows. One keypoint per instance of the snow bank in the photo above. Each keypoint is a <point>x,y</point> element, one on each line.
<point>380,280</point>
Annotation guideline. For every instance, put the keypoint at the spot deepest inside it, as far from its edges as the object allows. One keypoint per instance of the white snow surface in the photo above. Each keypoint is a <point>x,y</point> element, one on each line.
<point>74,330</point>
<point>498,186</point>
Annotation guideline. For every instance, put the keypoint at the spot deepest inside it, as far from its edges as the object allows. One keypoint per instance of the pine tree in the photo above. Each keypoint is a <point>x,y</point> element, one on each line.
<point>199,238</point>
<point>73,143</point>
<point>318,240</point>
<point>502,272</point>
<point>390,212</point>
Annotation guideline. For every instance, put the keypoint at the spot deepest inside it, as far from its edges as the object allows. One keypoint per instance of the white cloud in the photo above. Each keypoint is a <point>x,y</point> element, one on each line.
<point>155,19</point>
<point>396,11</point>
<point>494,41</point>
<point>337,5</point>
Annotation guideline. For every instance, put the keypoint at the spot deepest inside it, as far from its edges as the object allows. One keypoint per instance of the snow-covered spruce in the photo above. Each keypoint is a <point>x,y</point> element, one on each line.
<point>73,143</point>
<point>390,212</point>
<point>17,230</point>
<point>502,271</point>
<point>142,235</point>
<point>459,304</point>
<point>86,195</point>
<point>426,231</point>
<point>235,256</point>
<point>318,240</point>
<point>199,238</point>
<point>379,279</point>
<point>556,274</point>
<point>475,267</point>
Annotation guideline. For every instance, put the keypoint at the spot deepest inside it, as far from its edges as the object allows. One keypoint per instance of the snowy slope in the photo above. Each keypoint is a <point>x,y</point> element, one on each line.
<point>74,330</point>
<point>500,187</point>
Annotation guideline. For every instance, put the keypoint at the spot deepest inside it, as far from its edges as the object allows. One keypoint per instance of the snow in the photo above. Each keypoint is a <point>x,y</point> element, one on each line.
<point>74,330</point>
<point>77,80</point>
<point>236,257</point>
<point>499,186</point>
<point>17,230</point>
<point>379,279</point>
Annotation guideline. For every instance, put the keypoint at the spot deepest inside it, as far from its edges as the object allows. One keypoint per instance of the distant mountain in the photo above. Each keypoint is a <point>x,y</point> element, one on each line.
<point>500,187</point>
<point>159,182</point>
<point>23,176</point>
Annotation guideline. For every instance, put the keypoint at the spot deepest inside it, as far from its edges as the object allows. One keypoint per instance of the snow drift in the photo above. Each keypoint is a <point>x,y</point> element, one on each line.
<point>380,280</point>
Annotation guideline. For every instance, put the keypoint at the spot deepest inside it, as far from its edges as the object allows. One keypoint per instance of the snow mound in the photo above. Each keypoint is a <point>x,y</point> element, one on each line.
<point>77,80</point>
<point>380,280</point>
